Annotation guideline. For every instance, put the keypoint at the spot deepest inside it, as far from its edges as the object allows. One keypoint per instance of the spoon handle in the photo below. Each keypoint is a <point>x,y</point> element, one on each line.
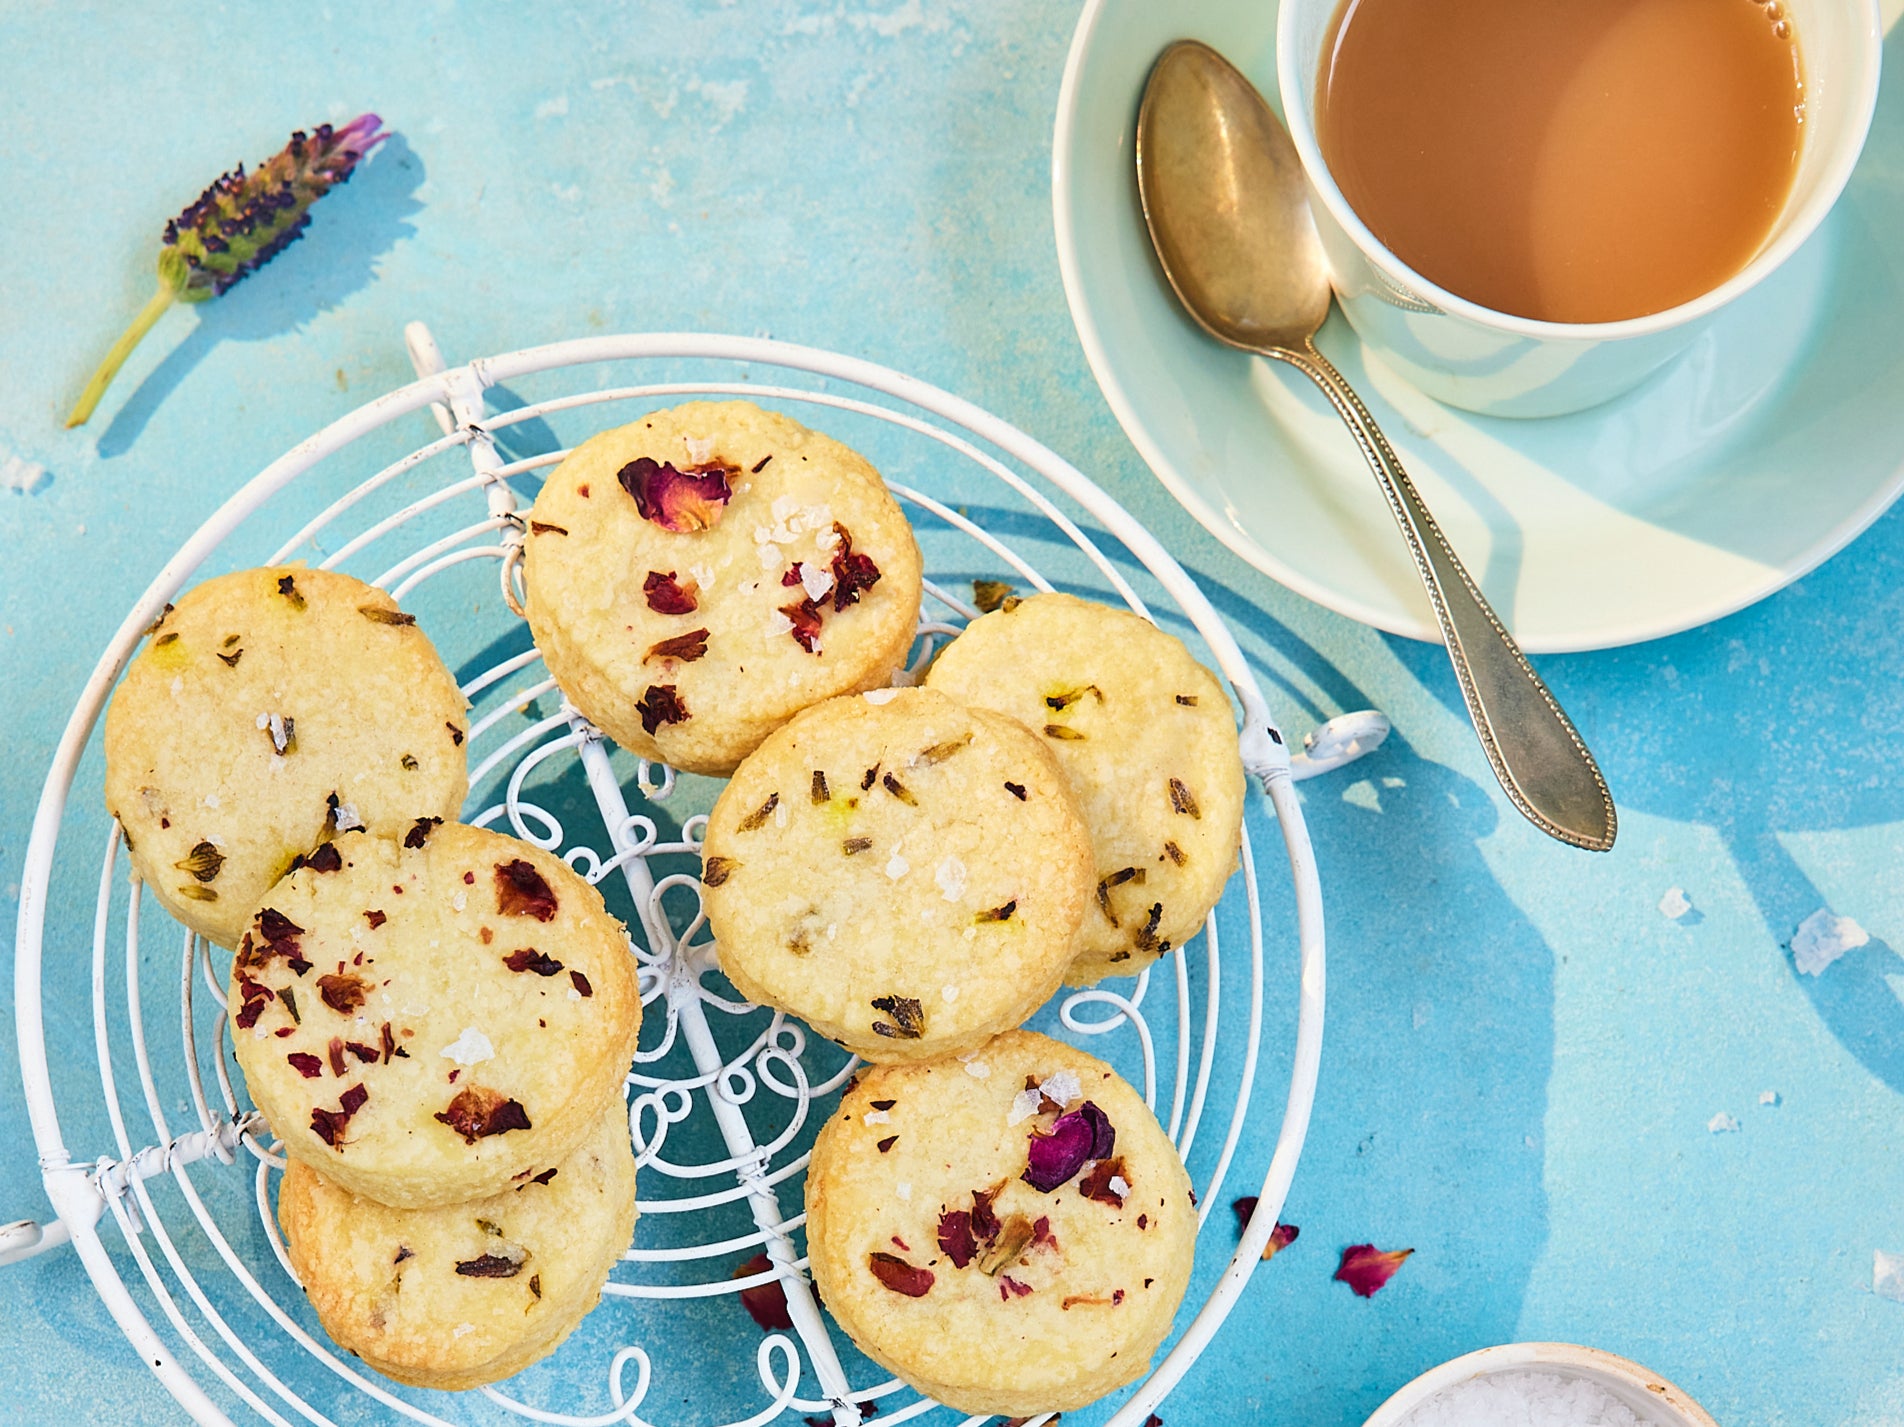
<point>1541,762</point>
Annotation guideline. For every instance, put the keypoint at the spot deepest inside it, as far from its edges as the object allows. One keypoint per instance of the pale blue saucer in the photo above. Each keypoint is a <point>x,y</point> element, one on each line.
<point>1765,449</point>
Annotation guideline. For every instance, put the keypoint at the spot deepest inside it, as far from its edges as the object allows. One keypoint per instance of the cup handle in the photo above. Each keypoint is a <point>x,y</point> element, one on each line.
<point>1542,763</point>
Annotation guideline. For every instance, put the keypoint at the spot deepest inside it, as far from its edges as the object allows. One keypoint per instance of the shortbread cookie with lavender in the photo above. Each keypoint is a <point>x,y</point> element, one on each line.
<point>269,710</point>
<point>1145,735</point>
<point>467,1294</point>
<point>699,576</point>
<point>436,1018</point>
<point>902,872</point>
<point>1011,1234</point>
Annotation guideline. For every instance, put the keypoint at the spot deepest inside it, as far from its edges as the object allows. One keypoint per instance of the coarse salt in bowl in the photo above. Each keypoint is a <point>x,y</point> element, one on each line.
<point>1540,1385</point>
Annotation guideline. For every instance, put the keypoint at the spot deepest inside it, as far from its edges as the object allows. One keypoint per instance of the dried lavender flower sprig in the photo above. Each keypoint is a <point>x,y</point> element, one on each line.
<point>235,227</point>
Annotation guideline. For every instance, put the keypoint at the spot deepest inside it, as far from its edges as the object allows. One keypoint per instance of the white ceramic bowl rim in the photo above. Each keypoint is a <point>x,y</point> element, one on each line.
<point>1667,1401</point>
<point>1804,223</point>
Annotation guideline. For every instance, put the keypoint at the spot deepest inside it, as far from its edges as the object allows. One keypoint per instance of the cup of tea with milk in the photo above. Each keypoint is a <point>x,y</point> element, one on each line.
<point>1531,205</point>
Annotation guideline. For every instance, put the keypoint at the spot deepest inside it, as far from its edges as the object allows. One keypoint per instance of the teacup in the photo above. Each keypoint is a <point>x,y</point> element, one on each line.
<point>1501,365</point>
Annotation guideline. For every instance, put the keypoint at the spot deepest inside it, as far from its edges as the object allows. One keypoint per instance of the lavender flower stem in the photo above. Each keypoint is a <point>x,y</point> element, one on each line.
<point>116,358</point>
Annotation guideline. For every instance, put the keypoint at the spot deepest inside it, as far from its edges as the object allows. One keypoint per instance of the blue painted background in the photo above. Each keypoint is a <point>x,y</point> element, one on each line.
<point>1523,1052</point>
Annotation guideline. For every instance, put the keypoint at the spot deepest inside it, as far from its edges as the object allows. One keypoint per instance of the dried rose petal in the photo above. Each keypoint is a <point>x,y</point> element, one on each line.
<point>1098,1183</point>
<point>1060,1152</point>
<point>477,1112</point>
<point>580,982</point>
<point>804,615</point>
<point>900,1276</point>
<point>680,501</point>
<point>766,1303</point>
<point>278,933</point>
<point>529,959</point>
<point>1041,1233</point>
<point>955,1237</point>
<point>1280,1238</point>
<point>329,1125</point>
<point>1366,1268</point>
<point>343,994</point>
<point>985,1218</point>
<point>666,596</point>
<point>852,573</point>
<point>522,892</point>
<point>420,831</point>
<point>988,595</point>
<point>255,996</point>
<point>375,918</point>
<point>685,647</point>
<point>324,858</point>
<point>490,1266</point>
<point>660,704</point>
<point>306,1064</point>
<point>716,870</point>
<point>1017,1289</point>
<point>370,1055</point>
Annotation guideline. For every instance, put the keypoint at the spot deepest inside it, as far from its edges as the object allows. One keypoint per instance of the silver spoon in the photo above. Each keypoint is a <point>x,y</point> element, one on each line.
<point>1228,210</point>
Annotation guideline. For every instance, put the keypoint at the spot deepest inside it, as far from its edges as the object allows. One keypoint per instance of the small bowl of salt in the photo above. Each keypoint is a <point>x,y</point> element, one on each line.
<point>1540,1385</point>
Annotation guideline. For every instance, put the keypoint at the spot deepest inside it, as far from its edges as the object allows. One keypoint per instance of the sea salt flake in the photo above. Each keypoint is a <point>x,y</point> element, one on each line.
<point>879,1117</point>
<point>784,506</point>
<point>1064,1087</point>
<point>699,449</point>
<point>897,866</point>
<point>948,993</point>
<point>1722,1124</point>
<point>879,696</point>
<point>264,722</point>
<point>463,1330</point>
<point>1822,938</point>
<point>977,1069</point>
<point>459,901</point>
<point>778,623</point>
<point>903,1189</point>
<point>1769,1097</point>
<point>814,580</point>
<point>1675,904</point>
<point>769,559</point>
<point>1023,1106</point>
<point>951,879</point>
<point>472,1047</point>
<point>345,817</point>
<point>1887,1275</point>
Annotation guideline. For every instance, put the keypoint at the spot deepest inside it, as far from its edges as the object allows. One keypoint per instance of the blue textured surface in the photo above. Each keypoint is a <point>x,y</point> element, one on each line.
<point>1523,1053</point>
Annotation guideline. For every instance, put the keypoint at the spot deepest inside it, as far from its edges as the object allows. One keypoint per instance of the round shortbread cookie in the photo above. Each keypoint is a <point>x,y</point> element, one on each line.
<point>268,710</point>
<point>1004,1249</point>
<point>1145,735</point>
<point>903,873</point>
<point>429,1022</point>
<point>472,1293</point>
<point>698,577</point>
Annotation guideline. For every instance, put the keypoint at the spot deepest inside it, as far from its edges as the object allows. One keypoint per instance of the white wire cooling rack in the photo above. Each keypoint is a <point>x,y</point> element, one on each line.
<point>720,1091</point>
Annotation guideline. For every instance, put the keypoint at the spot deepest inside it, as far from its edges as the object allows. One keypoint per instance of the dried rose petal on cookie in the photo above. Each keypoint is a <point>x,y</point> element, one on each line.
<point>676,500</point>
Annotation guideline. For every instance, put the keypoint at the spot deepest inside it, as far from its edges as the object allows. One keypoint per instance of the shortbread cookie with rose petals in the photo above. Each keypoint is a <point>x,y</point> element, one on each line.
<point>269,710</point>
<point>701,575</point>
<point>467,1294</point>
<point>436,1018</point>
<point>1145,735</point>
<point>1011,1233</point>
<point>902,872</point>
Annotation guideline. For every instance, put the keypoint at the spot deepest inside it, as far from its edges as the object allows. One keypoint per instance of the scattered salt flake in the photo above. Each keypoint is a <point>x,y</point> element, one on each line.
<point>769,554</point>
<point>1675,904</point>
<point>1523,1398</point>
<point>463,1330</point>
<point>903,1189</point>
<point>1120,1186</point>
<point>1822,938</point>
<point>264,722</point>
<point>1769,1097</point>
<point>1064,1087</point>
<point>699,449</point>
<point>574,995</point>
<point>948,992</point>
<point>879,696</point>
<point>951,879</point>
<point>879,1117</point>
<point>977,1069</point>
<point>472,1047</point>
<point>815,581</point>
<point>1722,1124</point>
<point>20,475</point>
<point>344,815</point>
<point>459,901</point>
<point>1887,1275</point>
<point>897,866</point>
<point>1023,1106</point>
<point>210,800</point>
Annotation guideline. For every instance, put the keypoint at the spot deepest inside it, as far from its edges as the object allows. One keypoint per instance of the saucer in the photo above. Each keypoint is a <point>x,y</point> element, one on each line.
<point>1763,450</point>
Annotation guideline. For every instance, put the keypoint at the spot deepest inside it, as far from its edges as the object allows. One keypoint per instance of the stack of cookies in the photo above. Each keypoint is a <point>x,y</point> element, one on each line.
<point>436,1019</point>
<point>914,871</point>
